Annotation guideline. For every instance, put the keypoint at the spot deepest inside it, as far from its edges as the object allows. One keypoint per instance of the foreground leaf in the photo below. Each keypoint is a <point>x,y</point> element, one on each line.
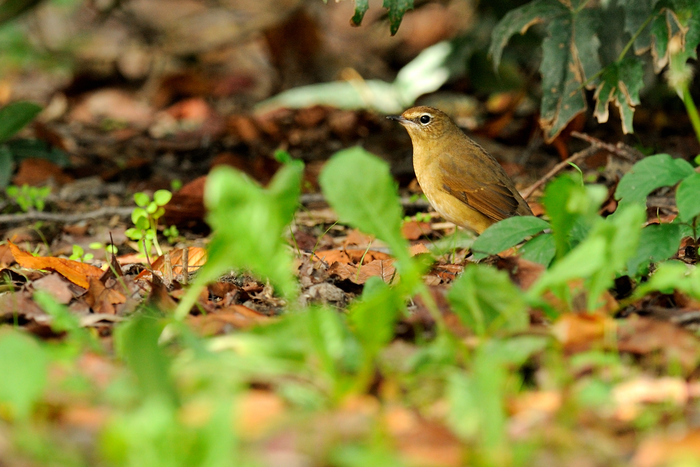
<point>506,234</point>
<point>620,84</point>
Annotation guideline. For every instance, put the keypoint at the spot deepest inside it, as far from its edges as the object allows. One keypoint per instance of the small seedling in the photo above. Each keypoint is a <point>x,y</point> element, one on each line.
<point>29,198</point>
<point>145,218</point>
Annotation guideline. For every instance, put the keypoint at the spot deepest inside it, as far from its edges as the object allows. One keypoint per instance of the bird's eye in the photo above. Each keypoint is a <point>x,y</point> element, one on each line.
<point>424,119</point>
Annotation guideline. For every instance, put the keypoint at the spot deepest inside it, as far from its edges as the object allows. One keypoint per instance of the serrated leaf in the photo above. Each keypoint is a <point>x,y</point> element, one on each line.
<point>505,234</point>
<point>636,13</point>
<point>520,20</point>
<point>620,83</point>
<point>688,197</point>
<point>564,69</point>
<point>649,174</point>
<point>361,7</point>
<point>397,8</point>
<point>15,116</point>
<point>657,242</point>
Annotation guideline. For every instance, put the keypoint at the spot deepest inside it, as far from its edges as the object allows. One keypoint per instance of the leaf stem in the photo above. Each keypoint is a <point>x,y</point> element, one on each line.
<point>691,109</point>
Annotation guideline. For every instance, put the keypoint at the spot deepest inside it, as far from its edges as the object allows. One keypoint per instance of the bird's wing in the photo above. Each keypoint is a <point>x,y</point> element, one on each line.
<point>488,190</point>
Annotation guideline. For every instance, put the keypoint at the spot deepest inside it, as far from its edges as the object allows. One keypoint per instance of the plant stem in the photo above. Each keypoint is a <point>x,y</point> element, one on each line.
<point>691,109</point>
<point>634,38</point>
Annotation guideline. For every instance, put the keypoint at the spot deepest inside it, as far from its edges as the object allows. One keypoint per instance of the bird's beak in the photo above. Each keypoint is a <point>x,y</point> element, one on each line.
<point>398,118</point>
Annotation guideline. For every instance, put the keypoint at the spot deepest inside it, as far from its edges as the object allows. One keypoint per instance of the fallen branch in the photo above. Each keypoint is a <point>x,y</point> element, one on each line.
<point>620,150</point>
<point>558,168</point>
<point>34,216</point>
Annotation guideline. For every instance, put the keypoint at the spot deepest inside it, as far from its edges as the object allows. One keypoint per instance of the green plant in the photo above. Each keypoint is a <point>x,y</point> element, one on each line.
<point>29,197</point>
<point>80,255</point>
<point>573,59</point>
<point>145,219</point>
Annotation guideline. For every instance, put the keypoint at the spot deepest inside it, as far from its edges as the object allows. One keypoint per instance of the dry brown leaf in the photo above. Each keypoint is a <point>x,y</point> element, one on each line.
<point>258,411</point>
<point>668,450</point>
<point>359,274</point>
<point>423,442</point>
<point>76,272</point>
<point>197,258</point>
<point>630,395</point>
<point>413,230</point>
<point>580,331</point>
<point>236,316</point>
<point>639,335</point>
<point>55,285</point>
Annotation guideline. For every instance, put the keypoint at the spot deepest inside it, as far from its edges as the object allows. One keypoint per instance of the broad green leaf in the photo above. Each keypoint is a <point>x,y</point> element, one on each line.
<point>572,208</point>
<point>249,225</point>
<point>649,174</point>
<point>657,242</point>
<point>397,8</point>
<point>6,166</point>
<point>505,234</point>
<point>670,276</point>
<point>520,20</point>
<point>23,366</point>
<point>486,301</point>
<point>361,7</point>
<point>540,249</point>
<point>15,116</point>
<point>137,344</point>
<point>620,84</point>
<point>162,197</point>
<point>675,18</point>
<point>374,315</point>
<point>361,190</point>
<point>688,197</point>
<point>569,58</point>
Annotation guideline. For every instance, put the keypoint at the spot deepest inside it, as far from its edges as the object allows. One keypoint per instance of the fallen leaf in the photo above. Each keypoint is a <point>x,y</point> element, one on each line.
<point>75,271</point>
<point>663,450</point>
<point>580,331</point>
<point>629,396</point>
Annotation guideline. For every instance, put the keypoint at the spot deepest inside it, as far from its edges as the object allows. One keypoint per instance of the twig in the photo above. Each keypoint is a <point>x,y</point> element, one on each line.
<point>620,150</point>
<point>65,218</point>
<point>557,168</point>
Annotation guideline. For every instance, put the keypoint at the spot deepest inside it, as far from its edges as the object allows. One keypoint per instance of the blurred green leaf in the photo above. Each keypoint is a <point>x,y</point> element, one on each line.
<point>649,174</point>
<point>486,301</point>
<point>137,343</point>
<point>540,249</point>
<point>15,116</point>
<point>688,197</point>
<point>249,223</point>
<point>24,367</point>
<point>397,8</point>
<point>505,234</point>
<point>361,190</point>
<point>657,242</point>
<point>6,166</point>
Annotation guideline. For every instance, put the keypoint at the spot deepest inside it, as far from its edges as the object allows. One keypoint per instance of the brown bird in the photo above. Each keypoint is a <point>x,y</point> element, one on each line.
<point>463,182</point>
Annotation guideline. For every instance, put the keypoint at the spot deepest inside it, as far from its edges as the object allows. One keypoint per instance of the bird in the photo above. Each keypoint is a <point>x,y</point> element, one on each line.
<point>462,181</point>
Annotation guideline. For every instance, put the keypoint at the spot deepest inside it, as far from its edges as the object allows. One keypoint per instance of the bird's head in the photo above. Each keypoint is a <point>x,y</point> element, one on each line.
<point>425,123</point>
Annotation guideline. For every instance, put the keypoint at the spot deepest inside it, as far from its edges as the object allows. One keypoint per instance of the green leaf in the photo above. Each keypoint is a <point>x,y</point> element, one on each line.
<point>486,301</point>
<point>361,7</point>
<point>6,166</point>
<point>657,242</point>
<point>569,56</point>
<point>572,208</point>
<point>361,190</point>
<point>649,174</point>
<point>249,225</point>
<point>137,344</point>
<point>397,8</point>
<point>603,253</point>
<point>620,83</point>
<point>688,197</point>
<point>374,315</point>
<point>540,249</point>
<point>162,197</point>
<point>15,116</point>
<point>520,20</point>
<point>505,234</point>
<point>23,366</point>
<point>636,13</point>
<point>141,199</point>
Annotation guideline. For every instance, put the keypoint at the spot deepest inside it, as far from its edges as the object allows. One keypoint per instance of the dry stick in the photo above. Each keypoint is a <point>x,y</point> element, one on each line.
<point>65,218</point>
<point>620,150</point>
<point>557,168</point>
